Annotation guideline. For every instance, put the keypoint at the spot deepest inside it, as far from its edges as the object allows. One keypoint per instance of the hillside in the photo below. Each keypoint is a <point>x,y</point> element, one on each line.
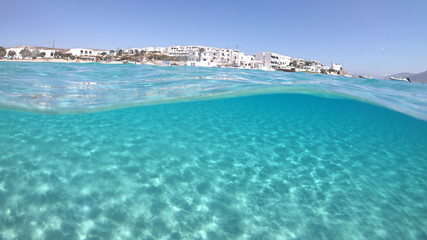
<point>420,77</point>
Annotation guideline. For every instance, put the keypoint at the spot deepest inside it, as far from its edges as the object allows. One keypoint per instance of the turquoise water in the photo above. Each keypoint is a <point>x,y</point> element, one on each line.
<point>283,165</point>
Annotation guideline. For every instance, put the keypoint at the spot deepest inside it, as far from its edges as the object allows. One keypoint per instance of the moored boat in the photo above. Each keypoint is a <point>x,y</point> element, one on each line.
<point>405,79</point>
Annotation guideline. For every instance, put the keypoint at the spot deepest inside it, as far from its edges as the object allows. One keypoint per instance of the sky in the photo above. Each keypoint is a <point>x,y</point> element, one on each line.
<point>372,37</point>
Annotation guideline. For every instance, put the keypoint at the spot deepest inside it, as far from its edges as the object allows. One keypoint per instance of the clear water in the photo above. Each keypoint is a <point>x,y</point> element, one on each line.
<point>77,88</point>
<point>267,166</point>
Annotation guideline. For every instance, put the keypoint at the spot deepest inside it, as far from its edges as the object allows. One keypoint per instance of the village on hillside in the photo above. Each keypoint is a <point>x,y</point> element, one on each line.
<point>199,56</point>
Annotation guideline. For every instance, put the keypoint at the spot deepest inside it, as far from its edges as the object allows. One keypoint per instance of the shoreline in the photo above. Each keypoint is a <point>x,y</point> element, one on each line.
<point>57,61</point>
<point>156,62</point>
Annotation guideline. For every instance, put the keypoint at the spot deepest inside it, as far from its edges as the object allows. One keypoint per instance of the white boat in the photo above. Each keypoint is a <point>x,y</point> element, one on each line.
<point>368,77</point>
<point>405,79</point>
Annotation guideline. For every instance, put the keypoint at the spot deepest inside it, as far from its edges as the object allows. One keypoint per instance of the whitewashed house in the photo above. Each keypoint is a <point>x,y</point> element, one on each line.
<point>48,52</point>
<point>247,61</point>
<point>154,49</point>
<point>149,49</point>
<point>221,56</point>
<point>16,50</point>
<point>336,67</point>
<point>313,66</point>
<point>299,61</point>
<point>182,51</point>
<point>273,60</point>
<point>86,52</point>
<point>201,64</point>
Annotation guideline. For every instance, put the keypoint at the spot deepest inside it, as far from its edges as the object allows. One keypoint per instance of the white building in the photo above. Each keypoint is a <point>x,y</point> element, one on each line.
<point>201,64</point>
<point>49,53</point>
<point>130,50</point>
<point>36,51</point>
<point>312,66</point>
<point>273,60</point>
<point>149,49</point>
<point>154,49</point>
<point>16,50</point>
<point>247,61</point>
<point>86,52</point>
<point>182,51</point>
<point>299,61</point>
<point>336,67</point>
<point>221,56</point>
<point>207,55</point>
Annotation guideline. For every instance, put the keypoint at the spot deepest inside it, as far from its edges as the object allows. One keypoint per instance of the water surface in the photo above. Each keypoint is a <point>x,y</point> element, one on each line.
<point>266,166</point>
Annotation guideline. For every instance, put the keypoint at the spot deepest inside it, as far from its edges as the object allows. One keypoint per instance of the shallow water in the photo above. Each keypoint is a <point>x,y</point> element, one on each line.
<point>260,167</point>
<point>77,88</point>
<point>277,166</point>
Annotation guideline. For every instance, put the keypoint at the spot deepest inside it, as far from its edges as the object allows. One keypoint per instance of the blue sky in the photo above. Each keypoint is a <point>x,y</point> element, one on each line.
<point>376,37</point>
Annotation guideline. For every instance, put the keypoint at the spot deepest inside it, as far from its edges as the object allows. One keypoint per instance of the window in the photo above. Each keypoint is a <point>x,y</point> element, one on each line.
<point>85,52</point>
<point>81,51</point>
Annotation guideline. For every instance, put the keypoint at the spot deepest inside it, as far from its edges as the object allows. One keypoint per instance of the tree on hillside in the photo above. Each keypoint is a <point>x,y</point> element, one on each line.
<point>66,55</point>
<point>119,52</point>
<point>57,54</point>
<point>308,63</point>
<point>2,52</point>
<point>294,63</point>
<point>35,53</point>
<point>103,53</point>
<point>201,50</point>
<point>11,53</point>
<point>25,53</point>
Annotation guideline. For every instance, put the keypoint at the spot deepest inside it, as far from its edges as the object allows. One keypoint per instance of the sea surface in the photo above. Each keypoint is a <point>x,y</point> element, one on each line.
<point>94,151</point>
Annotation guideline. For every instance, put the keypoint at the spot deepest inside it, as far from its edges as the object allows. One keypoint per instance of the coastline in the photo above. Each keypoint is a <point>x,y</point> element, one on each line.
<point>156,62</point>
<point>57,61</point>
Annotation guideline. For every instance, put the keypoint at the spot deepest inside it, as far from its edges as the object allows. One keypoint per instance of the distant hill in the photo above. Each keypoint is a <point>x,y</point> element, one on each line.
<point>420,77</point>
<point>415,77</point>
